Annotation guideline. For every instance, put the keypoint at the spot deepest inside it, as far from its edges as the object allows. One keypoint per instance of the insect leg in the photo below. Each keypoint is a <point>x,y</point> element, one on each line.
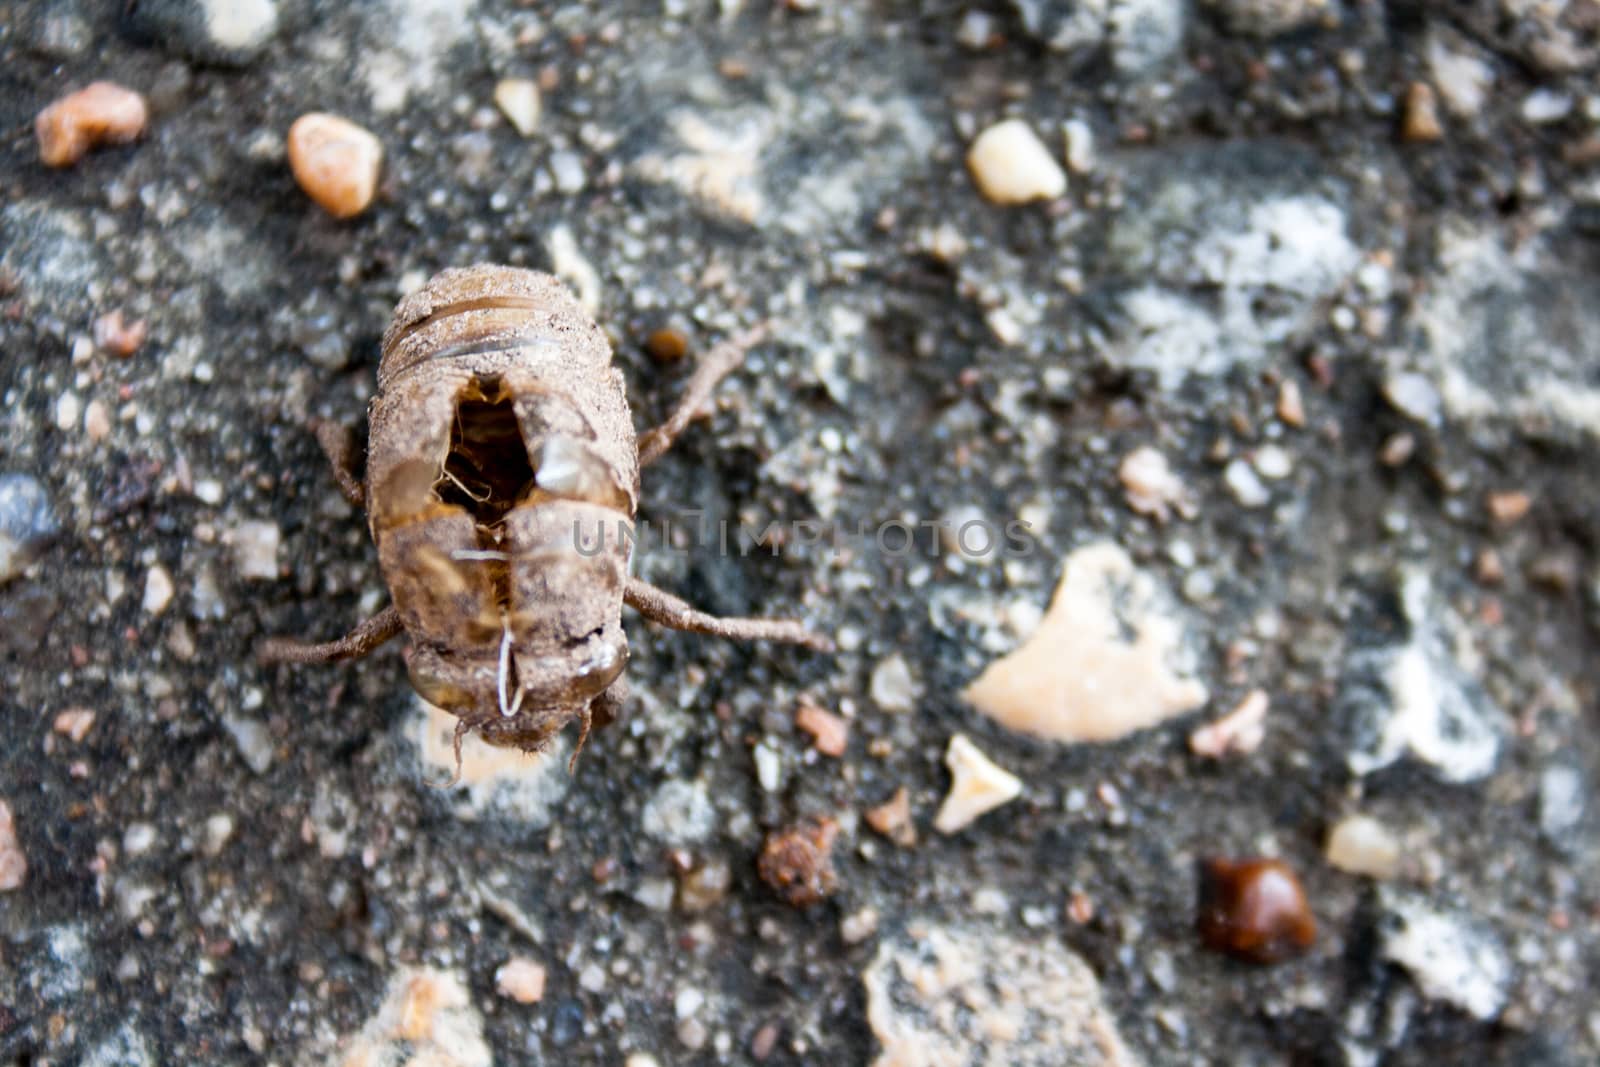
<point>717,365</point>
<point>664,608</point>
<point>338,444</point>
<point>357,643</point>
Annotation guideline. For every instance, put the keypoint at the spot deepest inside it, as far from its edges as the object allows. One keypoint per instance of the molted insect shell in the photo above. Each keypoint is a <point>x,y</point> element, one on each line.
<point>502,464</point>
<point>501,440</point>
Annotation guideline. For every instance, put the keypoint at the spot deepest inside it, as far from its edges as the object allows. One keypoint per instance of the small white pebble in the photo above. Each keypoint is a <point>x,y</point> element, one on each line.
<point>1546,105</point>
<point>208,491</point>
<point>520,102</point>
<point>97,420</point>
<point>655,893</point>
<point>943,242</point>
<point>1244,484</point>
<point>158,590</point>
<point>218,832</point>
<point>592,979</point>
<point>856,928</point>
<point>138,838</point>
<point>1080,145</point>
<point>687,1001</point>
<point>1151,486</point>
<point>255,549</point>
<point>567,169</point>
<point>977,786</point>
<point>68,410</point>
<point>990,901</point>
<point>1361,844</point>
<point>1273,463</point>
<point>1414,396</point>
<point>1012,166</point>
<point>892,687</point>
<point>769,767</point>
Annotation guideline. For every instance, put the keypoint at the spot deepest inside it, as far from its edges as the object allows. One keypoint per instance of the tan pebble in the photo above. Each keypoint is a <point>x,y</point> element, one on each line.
<point>1420,114</point>
<point>115,336</point>
<point>1152,488</point>
<point>74,723</point>
<point>520,979</point>
<point>1489,569</point>
<point>519,100</point>
<point>856,928</point>
<point>13,864</point>
<point>892,819</point>
<point>97,420</point>
<point>977,786</point>
<point>336,162</point>
<point>1012,166</point>
<point>830,733</point>
<point>1108,657</point>
<point>1361,844</point>
<point>1240,731</point>
<point>1507,508</point>
<point>101,113</point>
<point>1397,449</point>
<point>1291,408</point>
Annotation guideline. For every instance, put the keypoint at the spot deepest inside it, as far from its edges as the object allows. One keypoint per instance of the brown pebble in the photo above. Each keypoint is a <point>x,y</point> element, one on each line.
<point>1080,907</point>
<point>797,861</point>
<point>1254,909</point>
<point>830,733</point>
<point>1420,120</point>
<point>1291,408</point>
<point>101,113</point>
<point>115,336</point>
<point>13,864</point>
<point>892,819</point>
<point>336,162</point>
<point>1507,508</point>
<point>667,344</point>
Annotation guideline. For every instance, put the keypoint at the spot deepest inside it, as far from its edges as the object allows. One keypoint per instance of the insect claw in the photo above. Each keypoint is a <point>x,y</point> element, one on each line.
<point>462,726</point>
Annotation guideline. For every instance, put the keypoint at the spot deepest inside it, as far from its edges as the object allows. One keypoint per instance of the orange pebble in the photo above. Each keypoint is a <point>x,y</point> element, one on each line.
<point>336,162</point>
<point>101,113</point>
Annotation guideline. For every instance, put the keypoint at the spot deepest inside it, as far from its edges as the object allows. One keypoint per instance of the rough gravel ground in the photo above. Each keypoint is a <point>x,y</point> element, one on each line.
<point>234,863</point>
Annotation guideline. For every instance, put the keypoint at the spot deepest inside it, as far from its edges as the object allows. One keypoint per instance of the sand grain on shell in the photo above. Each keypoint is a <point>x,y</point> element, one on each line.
<point>1105,661</point>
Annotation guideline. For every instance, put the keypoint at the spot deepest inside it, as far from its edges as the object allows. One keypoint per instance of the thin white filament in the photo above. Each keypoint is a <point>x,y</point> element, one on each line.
<point>508,707</point>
